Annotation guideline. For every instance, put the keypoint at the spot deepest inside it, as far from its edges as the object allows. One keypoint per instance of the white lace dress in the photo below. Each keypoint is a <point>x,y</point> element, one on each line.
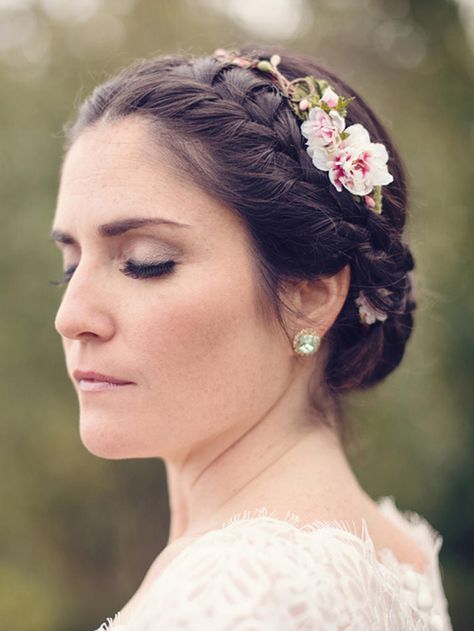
<point>260,573</point>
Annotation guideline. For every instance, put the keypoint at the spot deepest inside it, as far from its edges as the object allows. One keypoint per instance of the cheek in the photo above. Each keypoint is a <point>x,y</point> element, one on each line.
<point>198,331</point>
<point>206,352</point>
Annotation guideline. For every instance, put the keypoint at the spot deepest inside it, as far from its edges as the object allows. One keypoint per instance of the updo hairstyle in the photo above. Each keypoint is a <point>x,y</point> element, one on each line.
<point>231,132</point>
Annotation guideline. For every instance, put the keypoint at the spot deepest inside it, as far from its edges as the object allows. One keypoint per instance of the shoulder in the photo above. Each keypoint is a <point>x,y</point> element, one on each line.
<point>263,573</point>
<point>269,573</point>
<point>276,546</point>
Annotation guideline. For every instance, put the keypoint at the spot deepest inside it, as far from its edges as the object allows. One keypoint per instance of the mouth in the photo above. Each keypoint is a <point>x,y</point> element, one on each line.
<point>91,381</point>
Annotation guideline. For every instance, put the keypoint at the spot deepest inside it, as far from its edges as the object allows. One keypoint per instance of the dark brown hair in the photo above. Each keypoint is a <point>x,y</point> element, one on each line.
<point>233,134</point>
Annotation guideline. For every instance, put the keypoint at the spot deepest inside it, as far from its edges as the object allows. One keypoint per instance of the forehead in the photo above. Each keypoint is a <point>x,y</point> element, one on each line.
<point>115,170</point>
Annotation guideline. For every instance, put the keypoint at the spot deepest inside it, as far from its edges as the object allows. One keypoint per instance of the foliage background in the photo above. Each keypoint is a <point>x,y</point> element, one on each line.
<point>77,533</point>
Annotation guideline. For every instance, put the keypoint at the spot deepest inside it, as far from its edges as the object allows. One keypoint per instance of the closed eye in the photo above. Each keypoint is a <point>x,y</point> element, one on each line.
<point>66,278</point>
<point>147,270</point>
<point>131,268</point>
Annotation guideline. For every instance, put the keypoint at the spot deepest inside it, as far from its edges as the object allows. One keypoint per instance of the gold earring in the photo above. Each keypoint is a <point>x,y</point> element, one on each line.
<point>306,342</point>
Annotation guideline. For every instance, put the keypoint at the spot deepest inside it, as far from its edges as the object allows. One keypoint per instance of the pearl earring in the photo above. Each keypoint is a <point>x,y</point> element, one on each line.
<point>306,342</point>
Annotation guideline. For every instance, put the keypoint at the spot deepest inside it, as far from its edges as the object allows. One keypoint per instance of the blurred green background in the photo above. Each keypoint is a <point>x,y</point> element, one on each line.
<point>77,533</point>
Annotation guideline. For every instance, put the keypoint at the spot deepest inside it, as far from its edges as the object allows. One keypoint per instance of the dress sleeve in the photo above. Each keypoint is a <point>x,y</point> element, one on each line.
<point>267,575</point>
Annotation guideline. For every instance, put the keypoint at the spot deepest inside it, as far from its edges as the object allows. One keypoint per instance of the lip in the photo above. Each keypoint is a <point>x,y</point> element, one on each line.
<point>91,375</point>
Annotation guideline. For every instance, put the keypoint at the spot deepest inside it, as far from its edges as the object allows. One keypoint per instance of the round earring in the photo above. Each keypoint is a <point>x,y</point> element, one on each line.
<point>306,342</point>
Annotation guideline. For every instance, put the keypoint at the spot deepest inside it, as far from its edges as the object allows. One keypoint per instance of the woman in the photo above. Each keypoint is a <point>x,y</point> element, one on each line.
<point>231,229</point>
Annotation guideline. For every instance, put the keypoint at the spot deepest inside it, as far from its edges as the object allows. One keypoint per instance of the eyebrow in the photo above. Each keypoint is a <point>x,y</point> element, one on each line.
<point>116,228</point>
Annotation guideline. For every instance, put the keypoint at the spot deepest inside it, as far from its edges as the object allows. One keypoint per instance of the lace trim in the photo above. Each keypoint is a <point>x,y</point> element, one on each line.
<point>111,622</point>
<point>425,536</point>
<point>294,520</point>
<point>413,524</point>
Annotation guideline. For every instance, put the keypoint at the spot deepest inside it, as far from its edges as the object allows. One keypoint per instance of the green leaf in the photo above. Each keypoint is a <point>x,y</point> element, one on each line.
<point>378,199</point>
<point>300,91</point>
<point>321,85</point>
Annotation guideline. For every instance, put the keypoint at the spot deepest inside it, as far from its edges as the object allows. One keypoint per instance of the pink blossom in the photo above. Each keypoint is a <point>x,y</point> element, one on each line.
<point>322,128</point>
<point>370,201</point>
<point>356,163</point>
<point>330,97</point>
<point>368,314</point>
<point>243,63</point>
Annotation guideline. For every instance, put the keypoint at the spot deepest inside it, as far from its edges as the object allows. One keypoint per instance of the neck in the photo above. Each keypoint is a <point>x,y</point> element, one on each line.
<point>260,466</point>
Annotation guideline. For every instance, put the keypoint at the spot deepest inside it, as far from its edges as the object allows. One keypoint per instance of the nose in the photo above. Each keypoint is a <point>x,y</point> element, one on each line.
<point>85,311</point>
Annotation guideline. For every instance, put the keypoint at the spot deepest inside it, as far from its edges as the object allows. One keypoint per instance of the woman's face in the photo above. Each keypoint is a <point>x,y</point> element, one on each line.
<point>192,340</point>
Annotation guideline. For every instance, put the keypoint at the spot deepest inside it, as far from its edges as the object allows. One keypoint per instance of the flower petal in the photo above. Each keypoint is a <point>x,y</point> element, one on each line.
<point>320,157</point>
<point>330,97</point>
<point>338,120</point>
<point>358,135</point>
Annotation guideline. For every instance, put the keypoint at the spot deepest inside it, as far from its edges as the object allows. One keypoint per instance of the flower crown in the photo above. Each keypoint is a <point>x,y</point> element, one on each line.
<point>352,160</point>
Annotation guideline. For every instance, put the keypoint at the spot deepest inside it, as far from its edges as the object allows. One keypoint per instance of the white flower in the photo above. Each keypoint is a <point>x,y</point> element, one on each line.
<point>368,314</point>
<point>355,163</point>
<point>322,129</point>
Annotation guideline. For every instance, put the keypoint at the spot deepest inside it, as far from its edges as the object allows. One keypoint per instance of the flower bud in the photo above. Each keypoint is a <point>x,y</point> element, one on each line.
<point>264,66</point>
<point>243,63</point>
<point>275,60</point>
<point>369,201</point>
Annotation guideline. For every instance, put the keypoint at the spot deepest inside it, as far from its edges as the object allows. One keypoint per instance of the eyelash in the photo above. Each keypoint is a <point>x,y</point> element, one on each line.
<point>135,270</point>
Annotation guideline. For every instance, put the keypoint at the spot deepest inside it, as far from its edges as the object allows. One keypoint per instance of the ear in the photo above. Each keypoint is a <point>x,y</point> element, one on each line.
<point>320,300</point>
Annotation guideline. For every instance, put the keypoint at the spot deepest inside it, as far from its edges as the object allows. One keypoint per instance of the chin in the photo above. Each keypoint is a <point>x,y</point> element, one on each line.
<point>105,441</point>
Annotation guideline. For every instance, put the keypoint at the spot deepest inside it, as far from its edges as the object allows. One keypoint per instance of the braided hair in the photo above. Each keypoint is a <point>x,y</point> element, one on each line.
<point>233,134</point>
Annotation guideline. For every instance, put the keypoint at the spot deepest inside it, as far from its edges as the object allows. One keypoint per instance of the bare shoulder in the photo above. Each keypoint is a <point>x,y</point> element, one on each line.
<point>386,534</point>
